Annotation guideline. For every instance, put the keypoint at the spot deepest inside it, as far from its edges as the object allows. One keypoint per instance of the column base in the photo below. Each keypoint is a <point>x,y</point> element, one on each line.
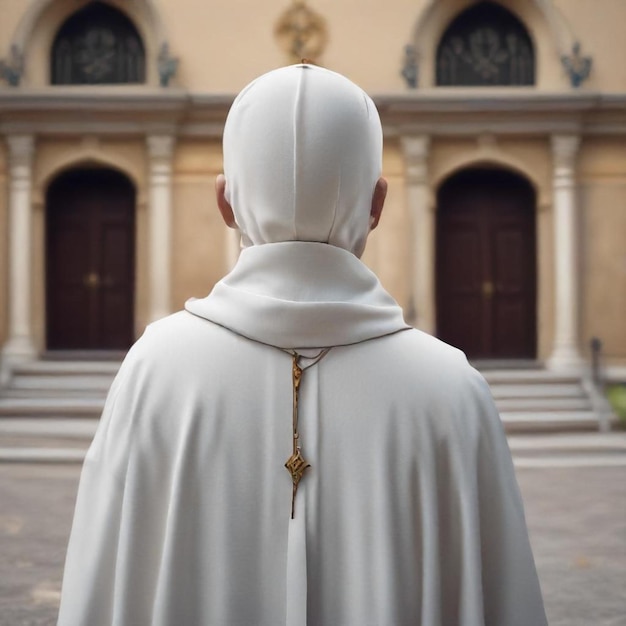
<point>567,360</point>
<point>19,349</point>
<point>16,350</point>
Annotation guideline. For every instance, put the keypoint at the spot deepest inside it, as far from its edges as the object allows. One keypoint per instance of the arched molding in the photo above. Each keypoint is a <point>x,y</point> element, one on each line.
<point>492,157</point>
<point>87,157</point>
<point>550,33</point>
<point>42,19</point>
<point>90,154</point>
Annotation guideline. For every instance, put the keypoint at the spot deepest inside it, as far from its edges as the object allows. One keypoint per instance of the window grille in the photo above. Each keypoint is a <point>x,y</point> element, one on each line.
<point>485,45</point>
<point>97,45</point>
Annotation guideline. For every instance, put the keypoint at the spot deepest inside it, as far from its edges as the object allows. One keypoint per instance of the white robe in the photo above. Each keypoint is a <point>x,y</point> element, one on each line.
<point>409,515</point>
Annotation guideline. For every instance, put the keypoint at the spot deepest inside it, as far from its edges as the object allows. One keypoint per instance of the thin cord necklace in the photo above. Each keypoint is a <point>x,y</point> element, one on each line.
<point>296,464</point>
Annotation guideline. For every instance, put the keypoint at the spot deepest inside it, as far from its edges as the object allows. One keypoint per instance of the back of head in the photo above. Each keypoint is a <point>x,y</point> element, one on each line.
<point>302,154</point>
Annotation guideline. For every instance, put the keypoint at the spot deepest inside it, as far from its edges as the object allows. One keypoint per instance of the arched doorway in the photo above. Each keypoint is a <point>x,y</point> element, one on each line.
<point>486,264</point>
<point>90,261</point>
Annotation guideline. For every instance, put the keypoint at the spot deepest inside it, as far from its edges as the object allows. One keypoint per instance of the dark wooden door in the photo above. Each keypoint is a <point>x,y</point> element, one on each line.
<point>90,261</point>
<point>486,265</point>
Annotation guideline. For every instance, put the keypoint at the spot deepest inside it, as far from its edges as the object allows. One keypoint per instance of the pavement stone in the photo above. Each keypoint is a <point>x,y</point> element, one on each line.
<point>576,518</point>
<point>577,524</point>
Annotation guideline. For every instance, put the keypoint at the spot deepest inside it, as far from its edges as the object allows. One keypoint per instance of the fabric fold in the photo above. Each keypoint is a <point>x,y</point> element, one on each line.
<point>301,295</point>
<point>296,576</point>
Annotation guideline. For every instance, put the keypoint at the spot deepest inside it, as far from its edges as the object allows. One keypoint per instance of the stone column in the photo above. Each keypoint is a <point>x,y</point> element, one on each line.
<point>160,150</point>
<point>422,232</point>
<point>19,345</point>
<point>233,248</point>
<point>565,353</point>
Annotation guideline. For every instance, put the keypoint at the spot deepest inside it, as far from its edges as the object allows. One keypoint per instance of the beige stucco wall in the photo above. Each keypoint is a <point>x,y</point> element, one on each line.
<point>387,251</point>
<point>599,26</point>
<point>200,240</point>
<point>12,12</point>
<point>222,44</point>
<point>199,236</point>
<point>602,167</point>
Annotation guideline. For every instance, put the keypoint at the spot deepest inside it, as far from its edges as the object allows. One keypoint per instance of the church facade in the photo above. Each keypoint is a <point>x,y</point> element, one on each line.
<point>505,151</point>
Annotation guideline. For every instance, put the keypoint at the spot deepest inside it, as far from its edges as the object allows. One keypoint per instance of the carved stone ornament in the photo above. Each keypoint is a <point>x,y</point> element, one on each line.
<point>410,69</point>
<point>167,65</point>
<point>301,32</point>
<point>12,69</point>
<point>577,66</point>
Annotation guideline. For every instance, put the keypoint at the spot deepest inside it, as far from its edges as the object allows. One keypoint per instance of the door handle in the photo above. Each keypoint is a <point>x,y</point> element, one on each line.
<point>488,289</point>
<point>91,280</point>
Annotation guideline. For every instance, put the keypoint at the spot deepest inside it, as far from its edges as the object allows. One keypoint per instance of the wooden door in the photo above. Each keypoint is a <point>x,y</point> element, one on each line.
<point>486,265</point>
<point>90,261</point>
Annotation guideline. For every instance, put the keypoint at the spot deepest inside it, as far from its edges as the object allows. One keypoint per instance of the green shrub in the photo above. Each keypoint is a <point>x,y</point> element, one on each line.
<point>617,397</point>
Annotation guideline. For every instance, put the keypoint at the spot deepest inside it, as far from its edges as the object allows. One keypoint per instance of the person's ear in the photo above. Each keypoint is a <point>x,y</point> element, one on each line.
<point>222,204</point>
<point>378,201</point>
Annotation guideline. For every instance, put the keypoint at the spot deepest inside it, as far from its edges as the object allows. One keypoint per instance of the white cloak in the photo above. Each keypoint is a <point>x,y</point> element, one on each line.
<point>409,515</point>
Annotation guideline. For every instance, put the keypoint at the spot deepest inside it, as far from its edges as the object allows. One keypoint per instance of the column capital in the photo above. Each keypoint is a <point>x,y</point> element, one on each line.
<point>565,148</point>
<point>160,146</point>
<point>416,149</point>
<point>21,149</point>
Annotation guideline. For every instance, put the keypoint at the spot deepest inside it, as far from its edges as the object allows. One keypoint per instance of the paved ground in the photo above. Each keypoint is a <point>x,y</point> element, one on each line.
<point>577,520</point>
<point>577,523</point>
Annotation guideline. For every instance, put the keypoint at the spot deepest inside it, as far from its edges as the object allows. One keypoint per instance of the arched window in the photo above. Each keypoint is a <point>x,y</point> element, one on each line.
<point>97,45</point>
<point>485,45</point>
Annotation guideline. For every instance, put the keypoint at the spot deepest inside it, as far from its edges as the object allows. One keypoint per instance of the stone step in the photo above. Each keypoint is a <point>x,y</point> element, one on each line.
<point>566,450</point>
<point>43,394</point>
<point>549,390</point>
<point>45,440</point>
<point>541,421</point>
<point>67,441</point>
<point>523,376</point>
<point>568,444</point>
<point>23,427</point>
<point>543,404</point>
<point>42,455</point>
<point>66,368</point>
<point>57,404</point>
<point>62,383</point>
<point>59,407</point>
<point>47,384</point>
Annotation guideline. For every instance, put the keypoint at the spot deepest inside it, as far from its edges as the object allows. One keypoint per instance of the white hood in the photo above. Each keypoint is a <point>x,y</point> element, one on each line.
<point>302,154</point>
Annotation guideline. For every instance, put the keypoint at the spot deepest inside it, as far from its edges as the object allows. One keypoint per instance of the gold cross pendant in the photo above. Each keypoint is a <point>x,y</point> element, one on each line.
<point>296,465</point>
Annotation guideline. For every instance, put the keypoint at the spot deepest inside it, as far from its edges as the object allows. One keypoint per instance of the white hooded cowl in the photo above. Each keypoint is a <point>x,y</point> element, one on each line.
<point>302,153</point>
<point>410,514</point>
